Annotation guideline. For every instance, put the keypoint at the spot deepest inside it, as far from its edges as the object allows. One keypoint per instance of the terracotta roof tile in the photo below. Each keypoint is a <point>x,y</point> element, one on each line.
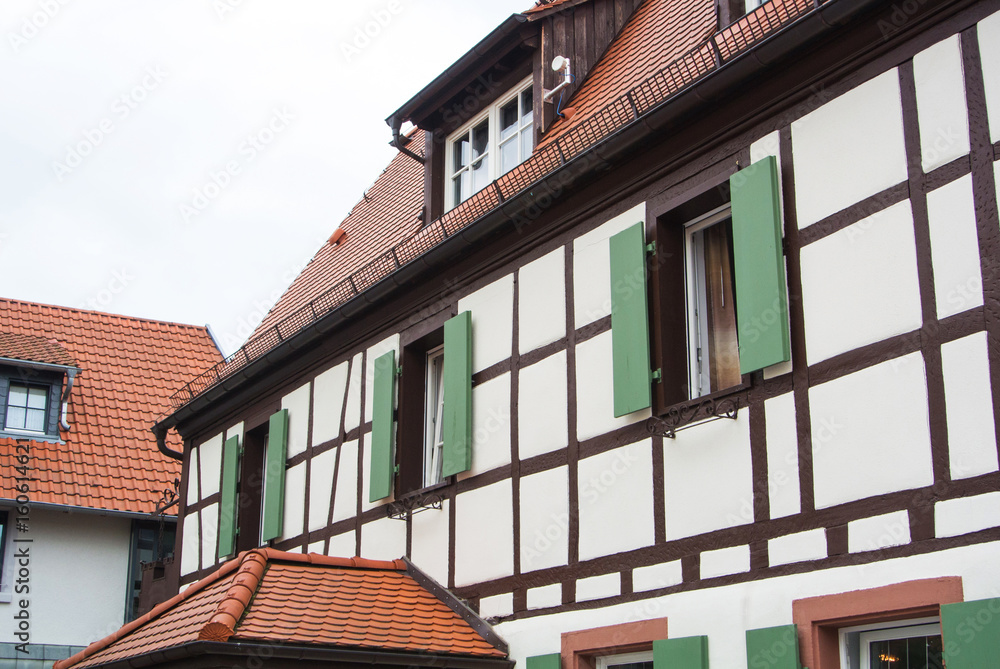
<point>130,367</point>
<point>343,603</point>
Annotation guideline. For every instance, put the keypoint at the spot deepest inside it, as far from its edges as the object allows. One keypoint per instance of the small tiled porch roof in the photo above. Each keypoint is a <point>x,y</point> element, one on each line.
<point>297,606</point>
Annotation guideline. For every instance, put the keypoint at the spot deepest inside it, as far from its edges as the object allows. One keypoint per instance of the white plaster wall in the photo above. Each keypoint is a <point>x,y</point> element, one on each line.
<point>725,561</point>
<point>782,456</point>
<point>484,535</point>
<point>955,517</point>
<point>190,547</point>
<point>592,266</point>
<point>210,455</point>
<point>708,477</point>
<point>724,613</point>
<point>235,430</point>
<point>541,301</point>
<point>78,578</point>
<point>798,547</point>
<point>429,546</point>
<point>492,308</point>
<point>595,408</point>
<point>294,513</point>
<point>958,282</point>
<point>343,545</point>
<point>656,576</point>
<point>599,587</point>
<point>972,445</point>
<point>297,403</point>
<point>989,53</point>
<point>877,532</point>
<point>859,285</point>
<point>345,498</point>
<point>545,597</point>
<point>496,606</point>
<point>388,344</point>
<point>193,474</point>
<point>328,403</point>
<point>615,491</point>
<point>209,535</point>
<point>542,413</point>
<point>352,410</point>
<point>544,520</point>
<point>849,149</point>
<point>316,547</point>
<point>321,488</point>
<point>383,539</point>
<point>865,425</point>
<point>941,108</point>
<point>491,425</point>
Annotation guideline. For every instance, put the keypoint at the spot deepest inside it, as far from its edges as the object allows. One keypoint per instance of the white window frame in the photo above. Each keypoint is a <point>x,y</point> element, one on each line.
<point>694,296</point>
<point>46,388</point>
<point>492,113</point>
<point>897,629</point>
<point>750,5</point>
<point>433,441</point>
<point>605,661</point>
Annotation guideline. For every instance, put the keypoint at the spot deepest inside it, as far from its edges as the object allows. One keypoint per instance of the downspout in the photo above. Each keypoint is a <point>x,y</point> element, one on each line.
<point>397,140</point>
<point>161,444</point>
<point>70,376</point>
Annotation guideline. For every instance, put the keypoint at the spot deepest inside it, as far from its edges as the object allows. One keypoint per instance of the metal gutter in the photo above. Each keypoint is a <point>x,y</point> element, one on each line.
<point>42,366</point>
<point>741,70</point>
<point>88,510</point>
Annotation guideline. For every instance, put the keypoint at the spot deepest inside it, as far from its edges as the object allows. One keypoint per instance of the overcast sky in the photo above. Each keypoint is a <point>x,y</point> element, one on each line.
<point>183,159</point>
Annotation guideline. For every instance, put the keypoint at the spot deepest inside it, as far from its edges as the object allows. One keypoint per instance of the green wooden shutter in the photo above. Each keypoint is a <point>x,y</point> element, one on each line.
<point>689,652</point>
<point>970,633</point>
<point>551,661</point>
<point>457,410</point>
<point>228,500</point>
<point>274,476</point>
<point>630,322</point>
<point>773,648</point>
<point>761,299</point>
<point>382,467</point>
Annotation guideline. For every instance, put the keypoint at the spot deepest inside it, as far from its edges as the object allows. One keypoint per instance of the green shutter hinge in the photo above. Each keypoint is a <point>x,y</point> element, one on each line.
<point>399,370</point>
<point>651,248</point>
<point>656,375</point>
<point>395,469</point>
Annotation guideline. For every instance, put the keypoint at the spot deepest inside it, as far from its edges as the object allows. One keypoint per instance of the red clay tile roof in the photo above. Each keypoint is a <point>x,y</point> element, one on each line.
<point>130,366</point>
<point>543,6</point>
<point>269,596</point>
<point>34,349</point>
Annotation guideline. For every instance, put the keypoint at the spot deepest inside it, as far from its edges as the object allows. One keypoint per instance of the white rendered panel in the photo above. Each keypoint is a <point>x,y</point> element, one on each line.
<point>297,403</point>
<point>373,353</point>
<point>989,55</point>
<point>798,547</point>
<point>595,413</point>
<point>191,545</point>
<point>484,555</point>
<point>956,517</point>
<point>656,576</point>
<point>490,425</point>
<point>972,445</point>
<point>343,545</point>
<point>321,488</point>
<point>958,281</point>
<point>210,456</point>
<point>541,301</point>
<point>598,587</point>
<point>496,606</point>
<point>542,418</point>
<point>849,149</point>
<point>209,535</point>
<point>843,309</point>
<point>316,547</point>
<point>941,108</point>
<point>383,539</point>
<point>430,542</point>
<point>352,411</point>
<point>193,474</point>
<point>615,491</point>
<point>877,532</point>
<point>545,597</point>
<point>782,456</point>
<point>294,512</point>
<point>725,561</point>
<point>544,520</point>
<point>492,308</point>
<point>592,266</point>
<point>864,426</point>
<point>328,403</point>
<point>708,478</point>
<point>345,496</point>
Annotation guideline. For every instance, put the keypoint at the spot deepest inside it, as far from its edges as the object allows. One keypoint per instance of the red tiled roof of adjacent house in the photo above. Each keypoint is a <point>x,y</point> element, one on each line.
<point>269,596</point>
<point>32,348</point>
<point>129,368</point>
<point>543,6</point>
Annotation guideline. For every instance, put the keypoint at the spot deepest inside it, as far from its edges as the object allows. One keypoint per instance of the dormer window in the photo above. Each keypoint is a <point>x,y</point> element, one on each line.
<point>26,408</point>
<point>492,144</point>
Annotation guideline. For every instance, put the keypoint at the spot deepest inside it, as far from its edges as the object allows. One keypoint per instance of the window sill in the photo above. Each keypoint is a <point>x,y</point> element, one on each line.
<point>30,436</point>
<point>714,406</point>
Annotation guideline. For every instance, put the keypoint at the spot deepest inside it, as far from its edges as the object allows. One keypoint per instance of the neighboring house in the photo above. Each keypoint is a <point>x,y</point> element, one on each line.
<point>82,479</point>
<point>701,369</point>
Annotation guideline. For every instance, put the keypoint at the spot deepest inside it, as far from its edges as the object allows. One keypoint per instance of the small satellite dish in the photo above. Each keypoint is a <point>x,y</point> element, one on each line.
<point>558,63</point>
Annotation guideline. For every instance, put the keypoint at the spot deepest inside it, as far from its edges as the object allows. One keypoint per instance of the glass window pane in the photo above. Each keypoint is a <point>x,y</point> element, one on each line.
<point>461,187</point>
<point>480,139</point>
<point>15,418</point>
<point>36,398</point>
<point>509,156</point>
<point>17,396</point>
<point>526,106</point>
<point>508,119</point>
<point>480,176</point>
<point>461,153</point>
<point>527,137</point>
<point>35,420</point>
